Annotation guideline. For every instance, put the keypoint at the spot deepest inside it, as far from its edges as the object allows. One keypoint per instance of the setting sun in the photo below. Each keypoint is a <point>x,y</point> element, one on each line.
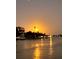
<point>35,29</point>
<point>38,29</point>
<point>36,26</point>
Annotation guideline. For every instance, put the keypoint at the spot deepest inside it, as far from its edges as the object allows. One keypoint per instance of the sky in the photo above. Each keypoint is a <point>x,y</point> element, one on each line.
<point>46,15</point>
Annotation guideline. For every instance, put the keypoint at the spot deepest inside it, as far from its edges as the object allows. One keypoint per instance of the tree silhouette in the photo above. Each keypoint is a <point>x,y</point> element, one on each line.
<point>19,31</point>
<point>33,35</point>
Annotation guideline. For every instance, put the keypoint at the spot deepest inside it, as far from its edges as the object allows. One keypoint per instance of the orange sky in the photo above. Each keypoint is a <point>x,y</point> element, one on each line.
<point>46,15</point>
<point>40,25</point>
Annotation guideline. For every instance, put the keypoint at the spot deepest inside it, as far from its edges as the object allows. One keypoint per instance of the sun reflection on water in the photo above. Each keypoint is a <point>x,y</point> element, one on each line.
<point>37,52</point>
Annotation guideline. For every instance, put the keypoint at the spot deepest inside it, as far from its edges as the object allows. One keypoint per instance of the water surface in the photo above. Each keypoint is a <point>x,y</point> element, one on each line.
<point>39,49</point>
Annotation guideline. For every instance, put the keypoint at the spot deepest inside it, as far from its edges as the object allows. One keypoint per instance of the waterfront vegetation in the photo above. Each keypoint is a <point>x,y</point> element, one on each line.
<point>21,34</point>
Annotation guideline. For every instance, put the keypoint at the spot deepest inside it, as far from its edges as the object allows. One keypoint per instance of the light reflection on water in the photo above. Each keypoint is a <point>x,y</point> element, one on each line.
<point>38,49</point>
<point>42,44</point>
<point>37,53</point>
<point>51,46</point>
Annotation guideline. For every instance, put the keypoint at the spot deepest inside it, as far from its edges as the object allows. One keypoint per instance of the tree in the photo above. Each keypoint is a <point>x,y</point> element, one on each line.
<point>19,31</point>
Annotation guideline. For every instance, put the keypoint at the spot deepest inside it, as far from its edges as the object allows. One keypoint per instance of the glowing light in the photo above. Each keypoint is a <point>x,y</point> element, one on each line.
<point>51,44</point>
<point>37,53</point>
<point>35,29</point>
<point>37,45</point>
<point>36,26</point>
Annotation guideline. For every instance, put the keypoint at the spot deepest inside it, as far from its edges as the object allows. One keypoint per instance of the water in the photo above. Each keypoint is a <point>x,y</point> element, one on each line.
<point>39,49</point>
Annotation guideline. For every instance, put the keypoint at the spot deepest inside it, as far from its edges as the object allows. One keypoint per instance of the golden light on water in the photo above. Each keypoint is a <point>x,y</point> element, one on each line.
<point>37,52</point>
<point>51,41</point>
<point>51,46</point>
<point>37,45</point>
<point>42,44</point>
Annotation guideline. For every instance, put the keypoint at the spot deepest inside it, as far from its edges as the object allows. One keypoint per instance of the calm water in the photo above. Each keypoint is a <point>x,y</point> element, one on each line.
<point>39,49</point>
